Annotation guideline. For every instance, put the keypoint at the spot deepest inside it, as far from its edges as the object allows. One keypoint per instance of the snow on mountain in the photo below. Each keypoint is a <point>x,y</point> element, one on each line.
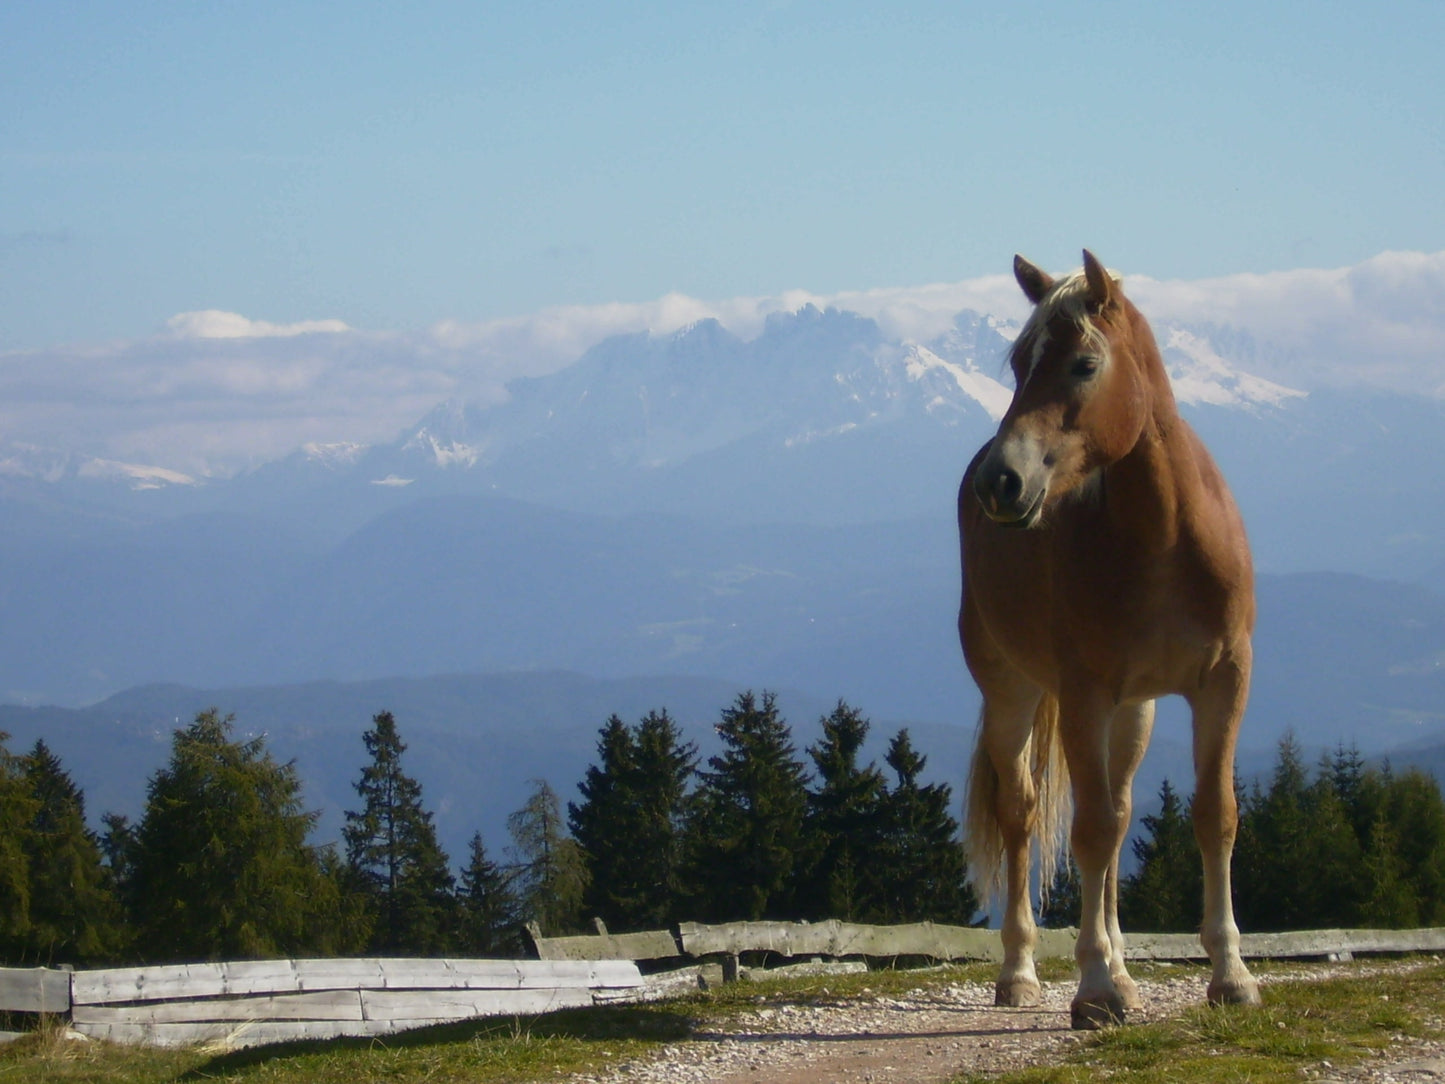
<point>334,454</point>
<point>921,363</point>
<point>656,400</point>
<point>136,475</point>
<point>29,461</point>
<point>1201,376</point>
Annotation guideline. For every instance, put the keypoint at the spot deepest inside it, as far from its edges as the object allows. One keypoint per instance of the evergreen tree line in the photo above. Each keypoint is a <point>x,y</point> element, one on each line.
<point>221,864</point>
<point>1351,847</point>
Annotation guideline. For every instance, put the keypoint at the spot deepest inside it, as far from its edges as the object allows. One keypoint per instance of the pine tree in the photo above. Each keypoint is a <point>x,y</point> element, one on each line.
<point>605,825</point>
<point>117,848</point>
<point>844,825</point>
<point>74,917</point>
<point>747,825</point>
<point>551,868</point>
<point>17,808</point>
<point>1164,894</point>
<point>1414,809</point>
<point>394,859</point>
<point>1336,885</point>
<point>666,766</point>
<point>1354,789</point>
<point>1273,881</point>
<point>923,857</point>
<point>1391,902</point>
<point>630,822</point>
<point>221,868</point>
<point>488,909</point>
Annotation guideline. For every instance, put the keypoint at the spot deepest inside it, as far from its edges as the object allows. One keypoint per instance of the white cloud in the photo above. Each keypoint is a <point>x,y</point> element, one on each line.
<point>215,324</point>
<point>543,341</point>
<point>1380,323</point>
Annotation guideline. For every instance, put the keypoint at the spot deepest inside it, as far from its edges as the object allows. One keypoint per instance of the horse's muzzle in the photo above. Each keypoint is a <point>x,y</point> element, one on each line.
<point>1001,492</point>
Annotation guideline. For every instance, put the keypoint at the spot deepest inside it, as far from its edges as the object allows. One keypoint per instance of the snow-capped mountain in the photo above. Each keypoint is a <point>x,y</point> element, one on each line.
<point>669,422</point>
<point>19,460</point>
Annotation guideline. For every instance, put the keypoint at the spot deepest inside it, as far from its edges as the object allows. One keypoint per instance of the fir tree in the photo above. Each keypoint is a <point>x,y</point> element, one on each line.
<point>394,859</point>
<point>488,909</point>
<point>551,868</point>
<point>1274,882</point>
<point>221,867</point>
<point>17,808</point>
<point>844,824</point>
<point>117,848</point>
<point>630,822</point>
<point>74,916</point>
<point>746,830</point>
<point>1412,806</point>
<point>1391,902</point>
<point>605,823</point>
<point>1335,887</point>
<point>1164,894</point>
<point>1354,789</point>
<point>923,857</point>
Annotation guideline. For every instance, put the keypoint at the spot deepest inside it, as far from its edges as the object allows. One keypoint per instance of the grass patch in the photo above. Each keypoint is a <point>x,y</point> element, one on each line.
<point>1301,1024</point>
<point>482,1051</point>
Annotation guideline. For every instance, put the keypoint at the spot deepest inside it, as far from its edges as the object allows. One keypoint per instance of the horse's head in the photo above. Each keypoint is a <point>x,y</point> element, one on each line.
<point>1081,392</point>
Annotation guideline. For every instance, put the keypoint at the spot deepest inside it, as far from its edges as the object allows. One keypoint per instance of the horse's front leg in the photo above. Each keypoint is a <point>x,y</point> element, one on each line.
<point>1008,723</point>
<point>1097,835</point>
<point>1218,709</point>
<point>1129,732</point>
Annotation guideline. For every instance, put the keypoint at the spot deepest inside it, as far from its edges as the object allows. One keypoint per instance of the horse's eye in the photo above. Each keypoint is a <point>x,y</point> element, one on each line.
<point>1084,367</point>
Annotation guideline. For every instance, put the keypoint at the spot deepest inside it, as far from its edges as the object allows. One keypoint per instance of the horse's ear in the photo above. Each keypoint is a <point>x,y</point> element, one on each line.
<point>1101,286</point>
<point>1034,282</point>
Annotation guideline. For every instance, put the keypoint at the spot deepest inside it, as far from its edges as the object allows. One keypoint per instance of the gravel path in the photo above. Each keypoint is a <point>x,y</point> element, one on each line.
<point>936,1035</point>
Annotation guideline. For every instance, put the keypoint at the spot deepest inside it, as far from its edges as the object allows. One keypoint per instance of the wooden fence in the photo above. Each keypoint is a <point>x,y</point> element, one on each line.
<point>264,1001</point>
<point>938,942</point>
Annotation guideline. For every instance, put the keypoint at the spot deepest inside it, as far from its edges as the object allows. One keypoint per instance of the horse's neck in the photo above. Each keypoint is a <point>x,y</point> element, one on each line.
<point>1145,490</point>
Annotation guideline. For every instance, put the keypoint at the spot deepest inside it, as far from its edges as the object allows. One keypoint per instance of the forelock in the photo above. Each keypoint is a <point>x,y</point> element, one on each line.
<point>1068,298</point>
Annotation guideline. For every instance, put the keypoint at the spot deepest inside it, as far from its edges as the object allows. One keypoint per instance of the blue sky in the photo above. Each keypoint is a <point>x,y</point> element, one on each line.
<point>393,166</point>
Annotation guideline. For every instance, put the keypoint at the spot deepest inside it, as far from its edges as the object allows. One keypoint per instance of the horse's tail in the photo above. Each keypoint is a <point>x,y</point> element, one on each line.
<point>1049,777</point>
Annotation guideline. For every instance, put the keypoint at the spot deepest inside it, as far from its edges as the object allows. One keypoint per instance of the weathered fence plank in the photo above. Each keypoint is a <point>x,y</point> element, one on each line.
<point>1327,942</point>
<point>259,1001</point>
<point>34,989</point>
<point>300,976</point>
<point>834,938</point>
<point>241,1034</point>
<point>647,945</point>
<point>407,1006</point>
<point>320,1005</point>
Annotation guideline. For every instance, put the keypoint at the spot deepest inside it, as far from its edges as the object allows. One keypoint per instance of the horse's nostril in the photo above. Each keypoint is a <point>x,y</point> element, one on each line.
<point>1007,486</point>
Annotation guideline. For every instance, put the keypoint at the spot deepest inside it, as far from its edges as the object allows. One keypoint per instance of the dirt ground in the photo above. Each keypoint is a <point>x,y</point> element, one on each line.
<point>933,1036</point>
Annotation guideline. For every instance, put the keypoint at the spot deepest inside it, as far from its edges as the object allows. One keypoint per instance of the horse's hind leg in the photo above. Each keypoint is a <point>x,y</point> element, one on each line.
<point>1129,732</point>
<point>1218,708</point>
<point>1008,717</point>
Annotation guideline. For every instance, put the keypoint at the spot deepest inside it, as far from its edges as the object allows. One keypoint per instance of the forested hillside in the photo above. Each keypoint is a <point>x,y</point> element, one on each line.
<point>224,861</point>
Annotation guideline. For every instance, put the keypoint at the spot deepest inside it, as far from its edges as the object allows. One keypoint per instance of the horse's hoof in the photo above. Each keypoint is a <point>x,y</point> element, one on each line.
<point>1018,994</point>
<point>1236,992</point>
<point>1128,992</point>
<point>1093,1015</point>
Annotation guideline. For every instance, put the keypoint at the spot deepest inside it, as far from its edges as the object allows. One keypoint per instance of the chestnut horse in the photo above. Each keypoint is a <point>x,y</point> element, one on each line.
<point>1104,565</point>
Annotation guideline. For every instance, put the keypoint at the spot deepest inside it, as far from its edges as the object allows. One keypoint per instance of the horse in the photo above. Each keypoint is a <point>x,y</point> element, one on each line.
<point>1105,564</point>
